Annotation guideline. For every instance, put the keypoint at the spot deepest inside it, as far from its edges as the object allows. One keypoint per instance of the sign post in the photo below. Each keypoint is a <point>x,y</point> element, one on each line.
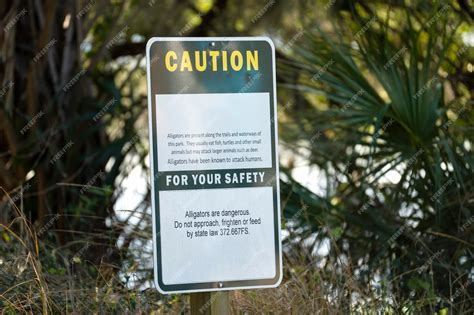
<point>210,303</point>
<point>214,165</point>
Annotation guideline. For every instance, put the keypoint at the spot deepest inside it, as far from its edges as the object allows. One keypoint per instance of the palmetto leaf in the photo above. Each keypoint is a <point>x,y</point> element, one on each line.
<point>383,112</point>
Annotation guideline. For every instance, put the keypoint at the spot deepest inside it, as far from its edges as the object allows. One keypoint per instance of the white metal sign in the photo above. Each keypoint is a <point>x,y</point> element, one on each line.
<point>214,163</point>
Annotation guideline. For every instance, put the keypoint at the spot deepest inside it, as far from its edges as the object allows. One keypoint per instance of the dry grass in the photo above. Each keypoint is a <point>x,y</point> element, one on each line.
<point>38,277</point>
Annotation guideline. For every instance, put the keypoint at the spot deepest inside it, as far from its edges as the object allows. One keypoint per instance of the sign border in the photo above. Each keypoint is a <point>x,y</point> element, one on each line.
<point>243,284</point>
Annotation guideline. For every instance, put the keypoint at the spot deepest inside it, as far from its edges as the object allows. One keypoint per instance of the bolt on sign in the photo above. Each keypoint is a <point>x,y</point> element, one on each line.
<point>213,135</point>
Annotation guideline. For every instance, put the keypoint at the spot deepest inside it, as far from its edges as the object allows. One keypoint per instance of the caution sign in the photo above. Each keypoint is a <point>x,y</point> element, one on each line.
<point>214,163</point>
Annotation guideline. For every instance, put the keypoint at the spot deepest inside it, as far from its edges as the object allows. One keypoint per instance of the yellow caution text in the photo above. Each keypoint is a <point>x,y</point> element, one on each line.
<point>214,60</point>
